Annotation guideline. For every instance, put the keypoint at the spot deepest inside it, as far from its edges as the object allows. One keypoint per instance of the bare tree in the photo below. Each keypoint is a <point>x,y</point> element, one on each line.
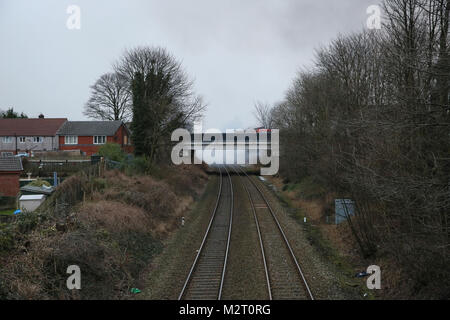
<point>110,99</point>
<point>263,114</point>
<point>371,122</point>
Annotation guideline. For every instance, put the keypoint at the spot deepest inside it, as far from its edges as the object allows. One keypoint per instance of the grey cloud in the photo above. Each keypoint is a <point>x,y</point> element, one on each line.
<point>238,51</point>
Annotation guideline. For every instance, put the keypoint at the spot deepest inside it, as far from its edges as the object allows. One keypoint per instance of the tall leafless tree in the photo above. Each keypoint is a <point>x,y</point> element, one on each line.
<point>110,99</point>
<point>263,114</point>
<point>372,121</point>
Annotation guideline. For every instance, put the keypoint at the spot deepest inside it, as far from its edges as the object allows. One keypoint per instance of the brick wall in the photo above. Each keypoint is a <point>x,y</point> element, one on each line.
<point>86,143</point>
<point>9,184</point>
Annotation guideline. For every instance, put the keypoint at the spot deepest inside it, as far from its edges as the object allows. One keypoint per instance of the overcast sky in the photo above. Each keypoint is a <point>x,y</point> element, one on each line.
<point>237,51</point>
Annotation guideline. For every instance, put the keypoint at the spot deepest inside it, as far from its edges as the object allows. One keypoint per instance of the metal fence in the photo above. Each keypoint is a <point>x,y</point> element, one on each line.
<point>45,168</point>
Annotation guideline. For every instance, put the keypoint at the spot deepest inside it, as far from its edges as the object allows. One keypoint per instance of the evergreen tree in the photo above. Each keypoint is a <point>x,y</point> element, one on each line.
<point>11,114</point>
<point>163,99</point>
<point>155,114</point>
<point>137,126</point>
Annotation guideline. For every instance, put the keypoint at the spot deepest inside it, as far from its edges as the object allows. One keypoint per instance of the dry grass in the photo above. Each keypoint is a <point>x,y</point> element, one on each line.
<point>112,235</point>
<point>114,216</point>
<point>158,202</point>
<point>396,284</point>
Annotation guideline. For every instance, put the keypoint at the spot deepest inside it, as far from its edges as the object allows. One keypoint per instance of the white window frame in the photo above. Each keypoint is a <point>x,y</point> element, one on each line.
<point>71,140</point>
<point>96,140</point>
<point>22,138</point>
<point>7,139</point>
<point>36,138</point>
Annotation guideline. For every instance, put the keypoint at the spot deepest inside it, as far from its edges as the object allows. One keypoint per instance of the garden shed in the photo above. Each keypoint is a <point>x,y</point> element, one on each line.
<point>10,169</point>
<point>30,203</point>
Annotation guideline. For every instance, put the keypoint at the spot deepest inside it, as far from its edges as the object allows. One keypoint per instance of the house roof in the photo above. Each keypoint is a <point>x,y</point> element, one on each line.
<point>30,127</point>
<point>90,128</point>
<point>38,190</point>
<point>10,164</point>
<point>32,197</point>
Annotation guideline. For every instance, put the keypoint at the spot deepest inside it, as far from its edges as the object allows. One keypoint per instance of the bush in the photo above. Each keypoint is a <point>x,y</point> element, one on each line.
<point>80,248</point>
<point>114,217</point>
<point>99,184</point>
<point>308,189</point>
<point>6,238</point>
<point>138,165</point>
<point>68,194</point>
<point>7,203</point>
<point>112,151</point>
<point>158,200</point>
<point>112,236</point>
<point>27,221</point>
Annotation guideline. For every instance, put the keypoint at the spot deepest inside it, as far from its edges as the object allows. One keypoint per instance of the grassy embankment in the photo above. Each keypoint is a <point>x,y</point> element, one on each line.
<point>169,269</point>
<point>111,227</point>
<point>335,243</point>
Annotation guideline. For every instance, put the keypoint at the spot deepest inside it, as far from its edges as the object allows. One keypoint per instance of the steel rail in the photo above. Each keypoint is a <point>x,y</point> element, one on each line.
<point>282,233</point>
<point>219,194</point>
<point>209,248</point>
<point>229,235</point>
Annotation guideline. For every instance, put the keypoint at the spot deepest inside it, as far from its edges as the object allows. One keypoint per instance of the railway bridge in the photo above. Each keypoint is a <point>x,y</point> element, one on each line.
<point>234,147</point>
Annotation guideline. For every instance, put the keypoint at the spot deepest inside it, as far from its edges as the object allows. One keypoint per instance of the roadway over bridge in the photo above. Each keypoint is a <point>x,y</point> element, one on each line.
<point>232,140</point>
<point>237,147</point>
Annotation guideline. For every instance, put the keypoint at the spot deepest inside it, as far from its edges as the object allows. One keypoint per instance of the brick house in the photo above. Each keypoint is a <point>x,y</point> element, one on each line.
<point>89,136</point>
<point>28,135</point>
<point>10,169</point>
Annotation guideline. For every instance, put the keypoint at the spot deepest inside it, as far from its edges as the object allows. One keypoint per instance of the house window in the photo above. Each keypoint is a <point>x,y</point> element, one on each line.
<point>38,139</point>
<point>22,139</point>
<point>99,139</point>
<point>70,140</point>
<point>7,140</point>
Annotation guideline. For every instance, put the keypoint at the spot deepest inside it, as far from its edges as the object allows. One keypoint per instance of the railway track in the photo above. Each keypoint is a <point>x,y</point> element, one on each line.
<point>284,276</point>
<point>206,277</point>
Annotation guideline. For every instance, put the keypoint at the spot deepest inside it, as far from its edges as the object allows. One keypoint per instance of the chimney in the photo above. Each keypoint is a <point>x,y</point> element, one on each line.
<point>41,116</point>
